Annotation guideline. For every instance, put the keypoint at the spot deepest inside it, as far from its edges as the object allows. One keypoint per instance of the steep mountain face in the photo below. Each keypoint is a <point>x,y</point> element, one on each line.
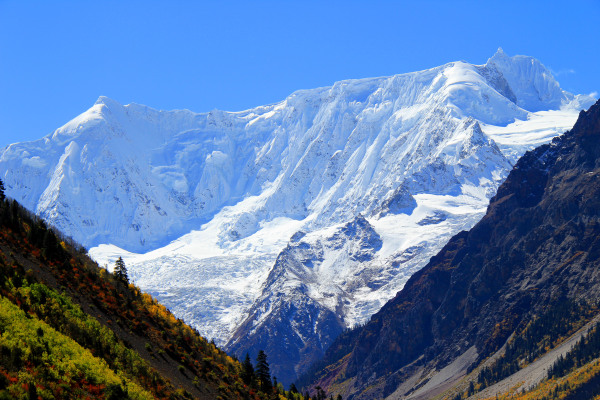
<point>538,244</point>
<point>208,209</point>
<point>307,274</point>
<point>69,329</point>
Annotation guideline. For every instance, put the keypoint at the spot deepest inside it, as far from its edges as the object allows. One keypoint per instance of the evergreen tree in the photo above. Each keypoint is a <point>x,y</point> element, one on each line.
<point>321,395</point>
<point>263,374</point>
<point>50,244</point>
<point>248,371</point>
<point>15,221</point>
<point>2,196</point>
<point>121,271</point>
<point>32,391</point>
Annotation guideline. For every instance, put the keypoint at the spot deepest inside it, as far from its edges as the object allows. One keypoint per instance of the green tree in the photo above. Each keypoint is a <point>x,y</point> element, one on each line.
<point>116,392</point>
<point>321,395</point>
<point>2,196</point>
<point>50,244</point>
<point>247,371</point>
<point>32,391</point>
<point>121,271</point>
<point>263,374</point>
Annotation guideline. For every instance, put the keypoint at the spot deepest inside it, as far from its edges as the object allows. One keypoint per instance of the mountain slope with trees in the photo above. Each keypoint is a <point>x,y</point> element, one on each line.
<point>537,247</point>
<point>71,329</point>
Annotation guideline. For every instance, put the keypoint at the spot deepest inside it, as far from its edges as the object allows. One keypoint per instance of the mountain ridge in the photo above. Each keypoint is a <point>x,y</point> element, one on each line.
<point>117,117</point>
<point>238,186</point>
<point>536,246</point>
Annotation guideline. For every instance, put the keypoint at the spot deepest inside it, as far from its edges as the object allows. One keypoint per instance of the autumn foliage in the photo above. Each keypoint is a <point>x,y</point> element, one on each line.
<point>71,329</point>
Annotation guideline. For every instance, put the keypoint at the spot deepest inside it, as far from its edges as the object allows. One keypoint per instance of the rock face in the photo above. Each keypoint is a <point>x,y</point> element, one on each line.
<point>539,241</point>
<point>202,207</point>
<point>289,318</point>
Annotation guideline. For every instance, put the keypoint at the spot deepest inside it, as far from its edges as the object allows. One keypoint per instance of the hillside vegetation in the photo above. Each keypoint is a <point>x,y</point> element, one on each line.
<point>70,329</point>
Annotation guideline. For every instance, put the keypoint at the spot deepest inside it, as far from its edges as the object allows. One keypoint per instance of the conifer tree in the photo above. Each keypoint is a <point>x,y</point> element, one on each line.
<point>263,374</point>
<point>15,220</point>
<point>2,196</point>
<point>50,244</point>
<point>278,388</point>
<point>321,395</point>
<point>247,371</point>
<point>121,271</point>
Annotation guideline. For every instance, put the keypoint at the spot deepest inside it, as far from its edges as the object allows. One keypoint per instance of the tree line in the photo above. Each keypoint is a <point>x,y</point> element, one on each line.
<point>258,377</point>
<point>584,351</point>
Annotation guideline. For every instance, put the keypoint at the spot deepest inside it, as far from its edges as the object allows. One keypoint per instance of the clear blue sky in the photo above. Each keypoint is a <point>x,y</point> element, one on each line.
<point>57,57</point>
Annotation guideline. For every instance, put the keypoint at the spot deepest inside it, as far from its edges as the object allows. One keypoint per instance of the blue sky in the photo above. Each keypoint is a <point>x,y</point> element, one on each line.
<point>57,57</point>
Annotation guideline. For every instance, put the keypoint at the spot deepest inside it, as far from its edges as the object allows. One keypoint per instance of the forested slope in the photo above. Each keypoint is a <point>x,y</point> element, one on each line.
<point>70,329</point>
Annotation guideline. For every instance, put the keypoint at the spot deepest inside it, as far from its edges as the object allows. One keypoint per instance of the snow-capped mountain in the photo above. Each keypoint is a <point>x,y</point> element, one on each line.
<point>281,225</point>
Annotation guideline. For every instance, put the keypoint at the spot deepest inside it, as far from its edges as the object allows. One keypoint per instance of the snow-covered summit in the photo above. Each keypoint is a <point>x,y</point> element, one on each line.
<point>533,85</point>
<point>201,205</point>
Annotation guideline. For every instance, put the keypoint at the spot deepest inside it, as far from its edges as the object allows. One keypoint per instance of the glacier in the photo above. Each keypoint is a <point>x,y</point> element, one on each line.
<point>277,227</point>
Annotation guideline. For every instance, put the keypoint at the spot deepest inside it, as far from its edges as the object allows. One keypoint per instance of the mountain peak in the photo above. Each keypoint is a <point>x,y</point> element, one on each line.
<point>532,83</point>
<point>500,53</point>
<point>501,57</point>
<point>103,100</point>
